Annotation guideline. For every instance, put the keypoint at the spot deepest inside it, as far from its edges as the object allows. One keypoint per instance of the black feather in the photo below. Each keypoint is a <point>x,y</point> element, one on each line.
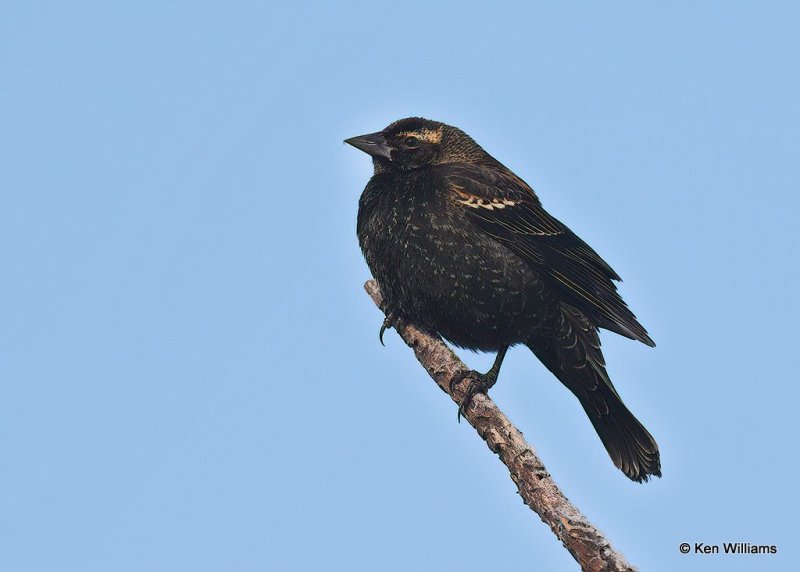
<point>462,247</point>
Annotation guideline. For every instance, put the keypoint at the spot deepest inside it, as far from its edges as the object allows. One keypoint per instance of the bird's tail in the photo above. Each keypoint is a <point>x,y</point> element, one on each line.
<point>574,357</point>
<point>630,446</point>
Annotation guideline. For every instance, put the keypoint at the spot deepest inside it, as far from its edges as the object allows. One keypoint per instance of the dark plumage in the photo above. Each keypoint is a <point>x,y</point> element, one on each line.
<point>462,247</point>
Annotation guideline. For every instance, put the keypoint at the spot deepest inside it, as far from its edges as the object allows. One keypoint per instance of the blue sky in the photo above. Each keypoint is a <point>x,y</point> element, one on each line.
<point>190,374</point>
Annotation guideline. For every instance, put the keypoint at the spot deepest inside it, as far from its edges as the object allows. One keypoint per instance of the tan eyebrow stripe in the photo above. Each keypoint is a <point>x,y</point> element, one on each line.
<point>429,135</point>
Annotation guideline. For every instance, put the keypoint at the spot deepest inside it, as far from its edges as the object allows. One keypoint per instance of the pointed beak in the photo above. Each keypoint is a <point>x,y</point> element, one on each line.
<point>373,144</point>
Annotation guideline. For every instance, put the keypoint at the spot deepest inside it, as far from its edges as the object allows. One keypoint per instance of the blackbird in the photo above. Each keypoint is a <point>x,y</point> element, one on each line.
<point>463,249</point>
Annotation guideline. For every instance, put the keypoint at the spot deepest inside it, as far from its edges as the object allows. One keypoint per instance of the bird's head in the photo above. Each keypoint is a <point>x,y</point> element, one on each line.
<point>415,142</point>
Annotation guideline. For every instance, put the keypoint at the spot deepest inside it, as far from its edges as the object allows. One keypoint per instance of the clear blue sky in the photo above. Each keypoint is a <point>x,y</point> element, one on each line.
<point>190,376</point>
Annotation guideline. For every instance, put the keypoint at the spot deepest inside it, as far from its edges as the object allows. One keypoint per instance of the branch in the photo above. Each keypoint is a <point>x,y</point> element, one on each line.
<point>536,487</point>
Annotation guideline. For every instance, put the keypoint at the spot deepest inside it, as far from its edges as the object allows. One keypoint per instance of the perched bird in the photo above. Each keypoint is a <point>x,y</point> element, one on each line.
<point>462,248</point>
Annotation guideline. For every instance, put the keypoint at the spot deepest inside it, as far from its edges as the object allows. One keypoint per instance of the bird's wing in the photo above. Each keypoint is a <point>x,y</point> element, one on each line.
<point>506,208</point>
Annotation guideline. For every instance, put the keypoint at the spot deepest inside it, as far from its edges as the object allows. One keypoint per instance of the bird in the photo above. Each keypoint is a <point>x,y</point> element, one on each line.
<point>462,248</point>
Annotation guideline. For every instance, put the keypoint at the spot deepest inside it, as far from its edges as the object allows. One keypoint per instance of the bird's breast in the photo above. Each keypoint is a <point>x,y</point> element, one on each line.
<point>443,273</point>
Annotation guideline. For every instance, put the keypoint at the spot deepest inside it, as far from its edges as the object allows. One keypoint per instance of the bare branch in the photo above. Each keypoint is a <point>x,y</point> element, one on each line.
<point>536,487</point>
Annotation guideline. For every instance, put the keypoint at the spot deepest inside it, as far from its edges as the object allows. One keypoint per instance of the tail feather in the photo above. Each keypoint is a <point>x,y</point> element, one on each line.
<point>630,446</point>
<point>571,350</point>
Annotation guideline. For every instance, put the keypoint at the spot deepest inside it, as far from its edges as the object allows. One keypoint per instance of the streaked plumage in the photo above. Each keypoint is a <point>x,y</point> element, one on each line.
<point>462,247</point>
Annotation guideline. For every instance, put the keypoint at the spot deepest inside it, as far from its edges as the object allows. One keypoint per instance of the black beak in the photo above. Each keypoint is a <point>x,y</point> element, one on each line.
<point>373,144</point>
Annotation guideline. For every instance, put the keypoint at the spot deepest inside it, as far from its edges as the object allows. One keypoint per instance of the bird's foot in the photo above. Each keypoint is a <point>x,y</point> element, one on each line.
<point>390,321</point>
<point>478,383</point>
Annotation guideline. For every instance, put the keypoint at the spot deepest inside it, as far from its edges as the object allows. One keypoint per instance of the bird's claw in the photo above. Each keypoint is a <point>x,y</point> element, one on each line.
<point>478,383</point>
<point>384,327</point>
<point>388,322</point>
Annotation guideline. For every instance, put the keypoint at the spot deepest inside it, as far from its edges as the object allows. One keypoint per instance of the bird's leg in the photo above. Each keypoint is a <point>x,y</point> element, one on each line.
<point>478,382</point>
<point>390,321</point>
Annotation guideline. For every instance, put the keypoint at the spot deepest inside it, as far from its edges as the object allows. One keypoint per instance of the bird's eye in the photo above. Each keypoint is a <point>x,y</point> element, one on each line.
<point>411,142</point>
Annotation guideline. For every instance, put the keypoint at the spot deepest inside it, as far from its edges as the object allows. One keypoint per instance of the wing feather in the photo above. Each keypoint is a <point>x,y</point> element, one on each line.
<point>507,209</point>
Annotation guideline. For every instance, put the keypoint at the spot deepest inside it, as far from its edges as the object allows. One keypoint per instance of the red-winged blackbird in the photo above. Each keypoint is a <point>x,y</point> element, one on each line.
<point>462,248</point>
